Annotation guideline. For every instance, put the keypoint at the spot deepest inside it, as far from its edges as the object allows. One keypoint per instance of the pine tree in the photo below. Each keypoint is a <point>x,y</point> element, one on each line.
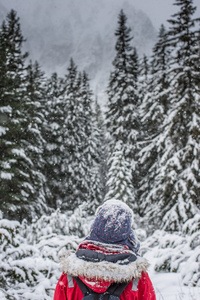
<point>143,76</point>
<point>86,101</point>
<point>54,150</point>
<point>33,135</point>
<point>102,144</point>
<point>144,67</point>
<point>122,119</point>
<point>15,187</point>
<point>74,164</point>
<point>98,157</point>
<point>119,181</point>
<point>90,142</point>
<point>121,90</point>
<point>153,112</point>
<point>176,184</point>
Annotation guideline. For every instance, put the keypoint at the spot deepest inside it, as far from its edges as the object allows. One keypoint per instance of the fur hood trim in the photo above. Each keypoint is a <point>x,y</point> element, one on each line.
<point>103,270</point>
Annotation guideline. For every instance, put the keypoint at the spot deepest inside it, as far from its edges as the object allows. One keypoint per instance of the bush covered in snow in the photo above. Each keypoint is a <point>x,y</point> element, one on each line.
<point>178,252</point>
<point>30,255</point>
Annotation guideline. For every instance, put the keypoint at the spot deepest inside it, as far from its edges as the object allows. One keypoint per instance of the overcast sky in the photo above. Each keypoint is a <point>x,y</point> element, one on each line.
<point>160,10</point>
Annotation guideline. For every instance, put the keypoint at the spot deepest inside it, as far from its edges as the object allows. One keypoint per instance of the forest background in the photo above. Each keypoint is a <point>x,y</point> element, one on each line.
<point>62,156</point>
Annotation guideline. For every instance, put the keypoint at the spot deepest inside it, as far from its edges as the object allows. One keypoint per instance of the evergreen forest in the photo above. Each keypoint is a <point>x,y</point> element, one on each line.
<point>62,155</point>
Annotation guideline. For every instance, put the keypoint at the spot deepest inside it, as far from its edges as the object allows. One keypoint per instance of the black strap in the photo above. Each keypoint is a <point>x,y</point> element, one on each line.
<point>115,289</point>
<point>84,288</point>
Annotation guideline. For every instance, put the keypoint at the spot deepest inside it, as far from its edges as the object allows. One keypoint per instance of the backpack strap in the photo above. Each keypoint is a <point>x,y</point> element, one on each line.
<point>115,289</point>
<point>85,289</point>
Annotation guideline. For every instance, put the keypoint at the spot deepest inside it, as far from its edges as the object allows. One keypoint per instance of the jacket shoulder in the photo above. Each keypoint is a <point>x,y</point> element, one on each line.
<point>67,289</point>
<point>139,289</point>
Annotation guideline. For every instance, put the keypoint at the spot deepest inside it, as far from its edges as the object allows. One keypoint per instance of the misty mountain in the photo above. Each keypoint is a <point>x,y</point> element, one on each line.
<point>57,30</point>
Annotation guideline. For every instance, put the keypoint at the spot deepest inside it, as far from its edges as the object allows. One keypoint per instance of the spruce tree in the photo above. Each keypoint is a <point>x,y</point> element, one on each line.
<point>143,75</point>
<point>102,144</point>
<point>119,179</point>
<point>153,111</point>
<point>144,67</point>
<point>15,186</point>
<point>176,184</point>
<point>122,95</point>
<point>122,119</point>
<point>74,163</point>
<point>33,135</point>
<point>54,150</point>
<point>91,150</point>
<point>98,157</point>
<point>86,102</point>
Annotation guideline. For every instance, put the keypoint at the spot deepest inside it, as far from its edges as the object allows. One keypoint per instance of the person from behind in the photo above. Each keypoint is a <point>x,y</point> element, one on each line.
<point>107,264</point>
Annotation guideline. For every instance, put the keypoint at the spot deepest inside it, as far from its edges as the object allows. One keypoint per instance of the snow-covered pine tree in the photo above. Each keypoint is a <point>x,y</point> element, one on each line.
<point>177,182</point>
<point>119,179</point>
<point>122,119</point>
<point>15,185</point>
<point>34,142</point>
<point>86,96</point>
<point>92,148</point>
<point>153,111</point>
<point>143,74</point>
<point>102,144</point>
<point>74,164</point>
<point>96,190</point>
<point>97,153</point>
<point>54,150</point>
<point>79,223</point>
<point>85,119</point>
<point>144,67</point>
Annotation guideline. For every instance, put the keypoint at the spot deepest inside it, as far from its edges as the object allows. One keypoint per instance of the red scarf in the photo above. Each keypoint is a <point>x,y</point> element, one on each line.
<point>96,284</point>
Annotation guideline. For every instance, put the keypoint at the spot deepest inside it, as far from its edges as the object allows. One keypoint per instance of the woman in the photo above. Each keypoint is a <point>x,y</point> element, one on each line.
<point>107,261</point>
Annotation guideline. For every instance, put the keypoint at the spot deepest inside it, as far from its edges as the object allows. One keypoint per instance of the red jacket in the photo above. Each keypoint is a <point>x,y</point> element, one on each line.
<point>98,273</point>
<point>144,291</point>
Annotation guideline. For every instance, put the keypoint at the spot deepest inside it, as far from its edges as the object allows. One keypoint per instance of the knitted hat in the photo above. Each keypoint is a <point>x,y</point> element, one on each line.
<point>112,225</point>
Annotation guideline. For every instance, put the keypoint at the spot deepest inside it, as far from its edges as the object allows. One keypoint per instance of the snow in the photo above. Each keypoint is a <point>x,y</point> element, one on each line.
<point>169,286</point>
<point>6,109</point>
<point>174,262</point>
<point>116,203</point>
<point>113,207</point>
<point>30,255</point>
<point>2,295</point>
<point>6,175</point>
<point>19,152</point>
<point>2,130</point>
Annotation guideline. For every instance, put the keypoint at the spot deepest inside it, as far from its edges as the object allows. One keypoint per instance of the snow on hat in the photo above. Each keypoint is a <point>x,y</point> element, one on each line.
<point>112,225</point>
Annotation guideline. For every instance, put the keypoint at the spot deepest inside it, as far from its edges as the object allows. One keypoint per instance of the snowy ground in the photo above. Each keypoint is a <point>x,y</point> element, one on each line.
<point>168,286</point>
<point>29,257</point>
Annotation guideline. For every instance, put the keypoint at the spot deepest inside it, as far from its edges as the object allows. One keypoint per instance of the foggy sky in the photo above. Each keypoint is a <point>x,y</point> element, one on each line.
<point>56,31</point>
<point>158,10</point>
